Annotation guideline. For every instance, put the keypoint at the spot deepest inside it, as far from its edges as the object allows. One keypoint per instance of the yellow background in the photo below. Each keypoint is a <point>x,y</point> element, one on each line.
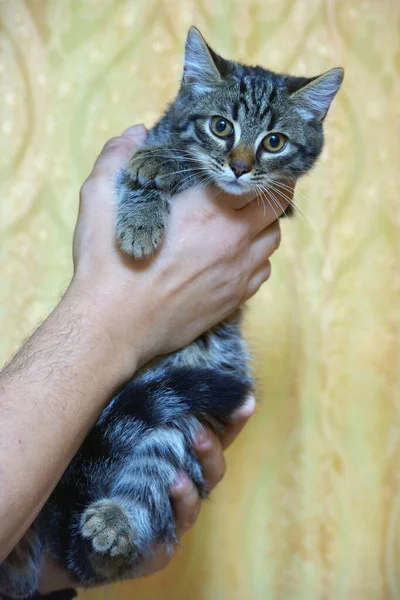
<point>310,507</point>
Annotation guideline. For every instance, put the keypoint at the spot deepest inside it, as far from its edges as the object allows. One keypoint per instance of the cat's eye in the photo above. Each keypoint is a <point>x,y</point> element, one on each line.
<point>221,127</point>
<point>274,142</point>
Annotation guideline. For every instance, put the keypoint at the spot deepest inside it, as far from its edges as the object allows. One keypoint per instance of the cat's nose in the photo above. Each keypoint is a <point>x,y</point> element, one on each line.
<point>239,167</point>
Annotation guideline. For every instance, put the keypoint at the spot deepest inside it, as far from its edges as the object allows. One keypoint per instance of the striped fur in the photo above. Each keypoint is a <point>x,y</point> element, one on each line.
<point>111,508</point>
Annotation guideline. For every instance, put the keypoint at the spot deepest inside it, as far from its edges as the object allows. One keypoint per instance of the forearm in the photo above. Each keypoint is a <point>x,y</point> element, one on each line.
<point>68,371</point>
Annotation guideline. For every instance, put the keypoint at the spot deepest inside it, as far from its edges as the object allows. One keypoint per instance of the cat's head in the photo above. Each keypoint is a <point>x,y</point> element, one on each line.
<point>247,126</point>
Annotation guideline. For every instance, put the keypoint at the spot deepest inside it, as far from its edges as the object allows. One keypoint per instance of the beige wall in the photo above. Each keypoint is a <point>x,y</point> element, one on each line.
<point>310,507</point>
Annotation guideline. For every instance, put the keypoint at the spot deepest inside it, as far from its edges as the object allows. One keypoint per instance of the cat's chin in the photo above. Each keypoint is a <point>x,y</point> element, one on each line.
<point>234,187</point>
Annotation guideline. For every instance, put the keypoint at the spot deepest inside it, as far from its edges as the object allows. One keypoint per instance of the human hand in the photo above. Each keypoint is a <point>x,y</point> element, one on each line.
<point>184,497</point>
<point>214,257</point>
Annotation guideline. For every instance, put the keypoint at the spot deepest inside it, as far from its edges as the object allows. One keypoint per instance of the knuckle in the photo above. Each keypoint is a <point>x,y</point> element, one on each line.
<point>113,143</point>
<point>278,237</point>
<point>229,250</point>
<point>92,185</point>
<point>122,143</point>
<point>87,188</point>
<point>263,276</point>
<point>239,296</point>
<point>247,228</point>
<point>204,442</point>
<point>235,289</point>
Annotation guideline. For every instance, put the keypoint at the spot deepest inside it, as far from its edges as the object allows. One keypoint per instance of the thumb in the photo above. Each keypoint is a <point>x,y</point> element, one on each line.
<point>118,150</point>
<point>139,132</point>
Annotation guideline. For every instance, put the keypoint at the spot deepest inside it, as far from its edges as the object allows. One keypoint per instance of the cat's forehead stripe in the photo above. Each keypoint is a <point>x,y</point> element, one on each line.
<point>272,121</point>
<point>243,92</point>
<point>264,111</point>
<point>256,96</point>
<point>235,111</point>
<point>272,95</point>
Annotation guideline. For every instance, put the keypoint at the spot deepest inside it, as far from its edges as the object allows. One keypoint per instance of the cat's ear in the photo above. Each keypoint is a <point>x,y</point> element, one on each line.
<point>203,68</point>
<point>314,96</point>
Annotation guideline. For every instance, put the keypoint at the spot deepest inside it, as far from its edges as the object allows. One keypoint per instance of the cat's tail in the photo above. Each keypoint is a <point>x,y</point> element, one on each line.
<point>166,393</point>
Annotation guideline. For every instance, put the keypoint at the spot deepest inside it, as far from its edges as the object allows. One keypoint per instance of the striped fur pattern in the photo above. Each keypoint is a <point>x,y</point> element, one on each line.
<point>112,508</point>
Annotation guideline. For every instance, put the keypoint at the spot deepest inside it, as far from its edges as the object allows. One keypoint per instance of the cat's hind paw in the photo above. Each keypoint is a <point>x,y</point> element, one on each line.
<point>107,527</point>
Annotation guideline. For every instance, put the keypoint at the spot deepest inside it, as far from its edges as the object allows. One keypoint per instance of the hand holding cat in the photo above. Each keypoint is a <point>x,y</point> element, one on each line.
<point>156,306</point>
<point>118,312</point>
<point>213,250</point>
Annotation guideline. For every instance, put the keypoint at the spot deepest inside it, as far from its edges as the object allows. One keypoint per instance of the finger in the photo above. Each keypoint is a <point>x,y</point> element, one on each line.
<point>257,280</point>
<point>101,180</point>
<point>264,245</point>
<point>238,421</point>
<point>118,150</point>
<point>185,502</point>
<point>158,560</point>
<point>209,452</point>
<point>138,131</point>
<point>262,214</point>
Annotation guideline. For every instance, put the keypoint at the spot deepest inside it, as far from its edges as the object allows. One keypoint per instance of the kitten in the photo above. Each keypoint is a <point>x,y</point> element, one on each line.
<point>243,129</point>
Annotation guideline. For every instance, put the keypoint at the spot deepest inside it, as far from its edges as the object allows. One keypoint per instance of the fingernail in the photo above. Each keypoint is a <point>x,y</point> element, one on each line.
<point>179,482</point>
<point>202,439</point>
<point>247,410</point>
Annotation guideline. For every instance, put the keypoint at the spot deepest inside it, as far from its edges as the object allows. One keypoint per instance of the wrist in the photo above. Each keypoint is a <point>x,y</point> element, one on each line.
<point>106,331</point>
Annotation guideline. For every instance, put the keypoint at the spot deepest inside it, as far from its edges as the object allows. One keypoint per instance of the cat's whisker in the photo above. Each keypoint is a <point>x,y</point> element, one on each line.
<point>150,183</point>
<point>205,177</point>
<point>268,189</point>
<point>193,178</point>
<point>259,198</point>
<point>276,201</point>
<point>300,211</point>
<point>200,184</point>
<point>264,196</point>
<point>181,155</point>
<point>297,192</point>
<point>269,193</point>
<point>262,202</point>
<point>166,151</point>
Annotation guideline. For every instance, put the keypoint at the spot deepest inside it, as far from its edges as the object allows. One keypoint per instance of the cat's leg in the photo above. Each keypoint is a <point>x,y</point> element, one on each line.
<point>19,573</point>
<point>115,529</point>
<point>121,529</point>
<point>144,190</point>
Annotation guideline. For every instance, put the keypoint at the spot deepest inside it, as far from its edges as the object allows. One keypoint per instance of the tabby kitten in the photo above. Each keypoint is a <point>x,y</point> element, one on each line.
<point>243,129</point>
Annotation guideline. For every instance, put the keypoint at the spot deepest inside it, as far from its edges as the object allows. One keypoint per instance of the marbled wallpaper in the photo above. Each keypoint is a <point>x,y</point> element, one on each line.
<point>310,506</point>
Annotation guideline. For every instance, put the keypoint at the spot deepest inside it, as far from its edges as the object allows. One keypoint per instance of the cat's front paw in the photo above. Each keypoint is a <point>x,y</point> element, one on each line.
<point>140,240</point>
<point>107,527</point>
<point>142,216</point>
